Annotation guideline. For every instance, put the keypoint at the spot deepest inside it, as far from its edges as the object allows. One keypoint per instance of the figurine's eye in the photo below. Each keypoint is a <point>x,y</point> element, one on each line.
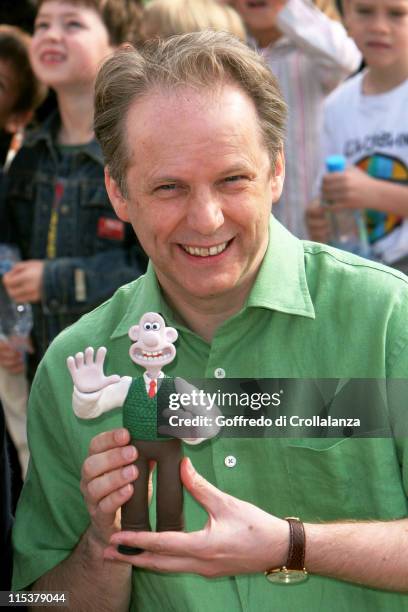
<point>156,326</point>
<point>147,326</point>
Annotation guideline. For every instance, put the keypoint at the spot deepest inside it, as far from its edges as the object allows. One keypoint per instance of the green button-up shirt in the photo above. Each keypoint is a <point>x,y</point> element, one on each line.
<point>313,312</point>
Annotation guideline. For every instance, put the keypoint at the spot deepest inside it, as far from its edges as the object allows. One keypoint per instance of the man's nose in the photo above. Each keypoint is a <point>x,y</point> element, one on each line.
<point>205,214</point>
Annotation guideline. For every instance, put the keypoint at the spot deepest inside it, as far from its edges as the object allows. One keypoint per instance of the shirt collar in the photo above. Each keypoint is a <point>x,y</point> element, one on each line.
<point>281,284</point>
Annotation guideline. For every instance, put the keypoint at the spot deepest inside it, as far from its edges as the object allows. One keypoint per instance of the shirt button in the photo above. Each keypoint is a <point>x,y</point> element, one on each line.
<point>219,373</point>
<point>230,461</point>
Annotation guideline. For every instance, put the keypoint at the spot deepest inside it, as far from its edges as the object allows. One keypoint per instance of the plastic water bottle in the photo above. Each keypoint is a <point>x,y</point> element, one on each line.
<point>16,320</point>
<point>348,229</point>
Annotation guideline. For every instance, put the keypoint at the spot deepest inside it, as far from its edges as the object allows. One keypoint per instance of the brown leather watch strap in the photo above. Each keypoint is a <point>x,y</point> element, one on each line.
<point>297,544</point>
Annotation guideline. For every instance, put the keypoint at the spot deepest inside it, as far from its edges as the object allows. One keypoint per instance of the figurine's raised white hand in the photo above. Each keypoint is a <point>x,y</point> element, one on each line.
<point>87,372</point>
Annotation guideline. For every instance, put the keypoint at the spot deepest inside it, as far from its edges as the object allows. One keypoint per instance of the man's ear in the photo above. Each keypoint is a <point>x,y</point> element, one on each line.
<point>278,176</point>
<point>118,201</point>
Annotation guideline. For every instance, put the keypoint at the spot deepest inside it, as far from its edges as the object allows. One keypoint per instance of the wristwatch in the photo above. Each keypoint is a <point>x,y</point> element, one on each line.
<point>294,570</point>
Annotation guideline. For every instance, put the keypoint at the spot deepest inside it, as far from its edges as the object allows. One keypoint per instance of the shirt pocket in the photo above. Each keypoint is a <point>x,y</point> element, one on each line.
<point>350,478</point>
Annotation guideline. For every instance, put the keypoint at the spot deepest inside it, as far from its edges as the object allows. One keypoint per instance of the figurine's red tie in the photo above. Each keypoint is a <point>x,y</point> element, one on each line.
<point>152,388</point>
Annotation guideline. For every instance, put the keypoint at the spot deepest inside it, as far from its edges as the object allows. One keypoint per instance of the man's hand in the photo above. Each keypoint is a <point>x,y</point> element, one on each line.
<point>317,223</point>
<point>352,188</point>
<point>87,373</point>
<point>24,281</point>
<point>238,538</point>
<point>107,474</point>
<point>11,359</point>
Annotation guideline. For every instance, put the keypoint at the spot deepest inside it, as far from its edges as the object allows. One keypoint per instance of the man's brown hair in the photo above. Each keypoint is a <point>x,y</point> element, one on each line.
<point>202,60</point>
<point>121,17</point>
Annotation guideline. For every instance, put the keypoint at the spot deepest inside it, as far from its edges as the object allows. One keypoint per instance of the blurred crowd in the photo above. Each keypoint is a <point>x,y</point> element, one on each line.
<point>343,72</point>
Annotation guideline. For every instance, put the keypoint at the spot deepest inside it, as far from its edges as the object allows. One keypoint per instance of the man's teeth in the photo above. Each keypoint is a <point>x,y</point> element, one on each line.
<point>205,252</point>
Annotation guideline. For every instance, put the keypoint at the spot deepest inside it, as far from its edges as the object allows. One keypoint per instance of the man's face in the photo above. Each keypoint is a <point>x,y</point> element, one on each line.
<point>69,43</point>
<point>380,29</point>
<point>200,189</point>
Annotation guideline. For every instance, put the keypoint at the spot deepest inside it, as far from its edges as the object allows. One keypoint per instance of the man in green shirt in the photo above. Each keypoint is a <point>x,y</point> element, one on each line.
<point>192,132</point>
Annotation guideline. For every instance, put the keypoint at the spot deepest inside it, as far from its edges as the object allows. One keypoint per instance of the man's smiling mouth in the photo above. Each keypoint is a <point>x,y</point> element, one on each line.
<point>205,251</point>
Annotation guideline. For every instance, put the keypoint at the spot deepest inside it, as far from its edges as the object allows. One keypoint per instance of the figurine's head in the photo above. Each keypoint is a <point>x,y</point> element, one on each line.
<point>153,345</point>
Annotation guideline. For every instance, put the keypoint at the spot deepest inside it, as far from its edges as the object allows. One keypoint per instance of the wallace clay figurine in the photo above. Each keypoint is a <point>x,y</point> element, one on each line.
<point>95,393</point>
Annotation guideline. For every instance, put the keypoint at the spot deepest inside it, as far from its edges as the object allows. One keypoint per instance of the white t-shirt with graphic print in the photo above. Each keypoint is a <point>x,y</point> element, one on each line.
<point>371,131</point>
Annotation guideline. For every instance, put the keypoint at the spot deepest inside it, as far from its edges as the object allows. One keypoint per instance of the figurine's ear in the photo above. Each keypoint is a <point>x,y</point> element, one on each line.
<point>171,334</point>
<point>134,333</point>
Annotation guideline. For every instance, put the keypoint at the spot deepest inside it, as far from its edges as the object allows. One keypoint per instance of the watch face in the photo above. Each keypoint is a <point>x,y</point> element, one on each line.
<point>287,576</point>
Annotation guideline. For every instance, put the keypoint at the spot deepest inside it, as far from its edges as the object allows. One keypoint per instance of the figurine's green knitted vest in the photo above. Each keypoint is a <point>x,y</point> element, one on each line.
<point>140,410</point>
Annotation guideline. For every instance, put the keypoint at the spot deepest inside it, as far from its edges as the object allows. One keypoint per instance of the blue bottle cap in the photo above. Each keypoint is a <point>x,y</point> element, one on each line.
<point>336,163</point>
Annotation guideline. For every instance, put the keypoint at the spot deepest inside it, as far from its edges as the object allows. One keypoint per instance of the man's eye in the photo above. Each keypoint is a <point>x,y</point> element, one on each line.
<point>169,187</point>
<point>234,179</point>
<point>397,14</point>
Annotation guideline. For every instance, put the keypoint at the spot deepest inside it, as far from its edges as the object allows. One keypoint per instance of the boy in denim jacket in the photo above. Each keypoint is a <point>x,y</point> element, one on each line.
<point>76,251</point>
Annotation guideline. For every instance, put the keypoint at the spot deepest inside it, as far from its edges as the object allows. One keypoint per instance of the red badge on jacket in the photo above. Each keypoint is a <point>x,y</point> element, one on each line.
<point>113,229</point>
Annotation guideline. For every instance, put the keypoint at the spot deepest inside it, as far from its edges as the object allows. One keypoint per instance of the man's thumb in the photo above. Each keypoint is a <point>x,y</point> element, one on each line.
<point>203,491</point>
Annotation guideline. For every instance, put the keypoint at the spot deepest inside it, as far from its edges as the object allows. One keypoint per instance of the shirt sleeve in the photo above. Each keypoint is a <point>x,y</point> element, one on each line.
<point>324,40</point>
<point>51,514</point>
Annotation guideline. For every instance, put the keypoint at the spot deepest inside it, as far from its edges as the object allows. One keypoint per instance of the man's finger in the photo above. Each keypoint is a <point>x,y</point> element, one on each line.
<point>109,439</point>
<point>100,487</point>
<point>163,543</point>
<point>110,504</point>
<point>161,563</point>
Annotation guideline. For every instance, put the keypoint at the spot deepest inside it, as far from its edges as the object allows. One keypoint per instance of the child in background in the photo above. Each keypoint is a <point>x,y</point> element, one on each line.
<point>20,94</point>
<point>310,55</point>
<point>77,252</point>
<point>365,120</point>
<point>163,18</point>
